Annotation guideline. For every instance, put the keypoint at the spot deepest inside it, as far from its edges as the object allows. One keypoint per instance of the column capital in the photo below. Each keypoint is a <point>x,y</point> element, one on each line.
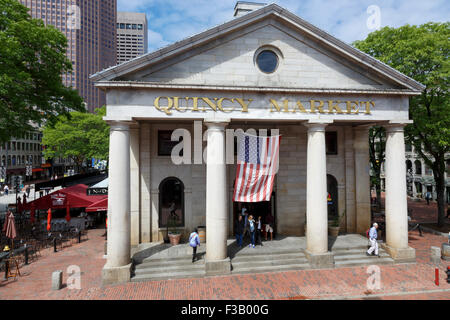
<point>397,125</point>
<point>119,125</point>
<point>218,124</point>
<point>317,124</point>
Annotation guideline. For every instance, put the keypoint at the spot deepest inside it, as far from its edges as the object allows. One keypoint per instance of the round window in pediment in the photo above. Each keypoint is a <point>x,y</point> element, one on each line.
<point>267,61</point>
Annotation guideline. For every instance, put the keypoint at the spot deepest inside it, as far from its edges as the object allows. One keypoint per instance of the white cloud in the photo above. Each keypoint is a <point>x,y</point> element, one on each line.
<point>156,40</point>
<point>173,20</point>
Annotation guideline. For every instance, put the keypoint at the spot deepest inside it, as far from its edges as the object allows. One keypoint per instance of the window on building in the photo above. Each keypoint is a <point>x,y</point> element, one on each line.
<point>165,144</point>
<point>331,142</point>
<point>267,61</point>
<point>171,202</point>
<point>408,147</point>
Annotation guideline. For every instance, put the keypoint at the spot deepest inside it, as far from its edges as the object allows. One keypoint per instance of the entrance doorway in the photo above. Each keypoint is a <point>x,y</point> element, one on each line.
<point>256,209</point>
<point>332,197</point>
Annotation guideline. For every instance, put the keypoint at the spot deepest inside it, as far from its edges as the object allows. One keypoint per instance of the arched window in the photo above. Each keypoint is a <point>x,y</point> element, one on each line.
<point>332,196</point>
<point>418,166</point>
<point>3,160</point>
<point>408,166</point>
<point>171,201</point>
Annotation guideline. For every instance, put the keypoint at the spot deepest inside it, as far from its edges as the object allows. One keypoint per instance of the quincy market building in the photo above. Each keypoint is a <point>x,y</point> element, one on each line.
<point>268,69</point>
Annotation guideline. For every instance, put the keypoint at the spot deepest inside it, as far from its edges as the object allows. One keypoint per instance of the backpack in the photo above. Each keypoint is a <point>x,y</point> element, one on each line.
<point>193,239</point>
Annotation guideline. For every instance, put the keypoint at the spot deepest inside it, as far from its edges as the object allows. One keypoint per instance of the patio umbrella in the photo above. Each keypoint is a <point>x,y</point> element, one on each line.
<point>9,228</point>
<point>19,205</point>
<point>67,212</point>
<point>49,219</point>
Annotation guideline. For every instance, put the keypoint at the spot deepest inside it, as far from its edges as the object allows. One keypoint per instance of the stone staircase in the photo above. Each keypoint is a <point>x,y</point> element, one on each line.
<point>269,262</point>
<point>356,256</point>
<point>161,261</point>
<point>170,268</point>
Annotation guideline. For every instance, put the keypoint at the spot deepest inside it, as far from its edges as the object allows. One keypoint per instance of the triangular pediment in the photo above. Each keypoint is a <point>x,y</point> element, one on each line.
<point>226,56</point>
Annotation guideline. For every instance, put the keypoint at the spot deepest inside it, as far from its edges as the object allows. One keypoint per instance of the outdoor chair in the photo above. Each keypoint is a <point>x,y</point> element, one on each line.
<point>413,224</point>
<point>34,248</point>
<point>65,240</point>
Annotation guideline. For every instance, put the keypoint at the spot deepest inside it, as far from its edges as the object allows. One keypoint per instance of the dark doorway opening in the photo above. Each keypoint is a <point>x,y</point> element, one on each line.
<point>256,209</point>
<point>332,197</point>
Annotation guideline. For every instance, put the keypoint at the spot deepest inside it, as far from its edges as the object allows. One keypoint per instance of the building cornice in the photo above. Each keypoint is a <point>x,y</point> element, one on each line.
<point>153,85</point>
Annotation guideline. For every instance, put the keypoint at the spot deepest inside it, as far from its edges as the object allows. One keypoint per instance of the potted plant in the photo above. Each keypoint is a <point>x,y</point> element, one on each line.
<point>334,226</point>
<point>173,234</point>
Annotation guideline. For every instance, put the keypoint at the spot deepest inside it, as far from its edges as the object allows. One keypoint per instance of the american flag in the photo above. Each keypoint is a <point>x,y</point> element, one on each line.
<point>257,164</point>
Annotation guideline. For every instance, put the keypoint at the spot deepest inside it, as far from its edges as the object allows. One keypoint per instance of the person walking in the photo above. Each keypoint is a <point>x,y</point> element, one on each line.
<point>258,231</point>
<point>194,241</point>
<point>6,189</point>
<point>269,226</point>
<point>252,229</point>
<point>428,197</point>
<point>373,235</point>
<point>239,229</point>
<point>27,190</point>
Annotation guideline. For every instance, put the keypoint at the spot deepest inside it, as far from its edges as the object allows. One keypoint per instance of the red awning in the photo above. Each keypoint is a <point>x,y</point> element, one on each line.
<point>75,196</point>
<point>101,205</point>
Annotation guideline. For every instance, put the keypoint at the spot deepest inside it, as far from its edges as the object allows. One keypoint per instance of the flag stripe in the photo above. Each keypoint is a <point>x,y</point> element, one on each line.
<point>256,168</point>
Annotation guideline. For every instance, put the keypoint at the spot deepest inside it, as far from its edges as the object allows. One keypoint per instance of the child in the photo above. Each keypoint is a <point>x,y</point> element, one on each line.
<point>194,241</point>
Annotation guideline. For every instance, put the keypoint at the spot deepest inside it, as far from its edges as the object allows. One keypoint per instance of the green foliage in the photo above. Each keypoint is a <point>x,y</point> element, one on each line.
<point>32,60</point>
<point>422,53</point>
<point>79,136</point>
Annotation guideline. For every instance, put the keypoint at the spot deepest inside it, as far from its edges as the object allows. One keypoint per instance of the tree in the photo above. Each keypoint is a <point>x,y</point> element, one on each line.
<point>80,137</point>
<point>32,60</point>
<point>422,53</point>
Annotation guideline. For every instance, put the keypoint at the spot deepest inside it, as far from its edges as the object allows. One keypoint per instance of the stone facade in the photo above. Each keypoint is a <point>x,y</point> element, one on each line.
<point>211,82</point>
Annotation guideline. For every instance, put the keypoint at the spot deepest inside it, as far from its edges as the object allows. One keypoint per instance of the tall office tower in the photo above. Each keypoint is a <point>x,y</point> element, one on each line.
<point>132,35</point>
<point>90,28</point>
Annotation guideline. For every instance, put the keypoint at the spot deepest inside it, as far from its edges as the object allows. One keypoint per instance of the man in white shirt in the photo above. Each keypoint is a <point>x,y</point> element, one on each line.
<point>373,235</point>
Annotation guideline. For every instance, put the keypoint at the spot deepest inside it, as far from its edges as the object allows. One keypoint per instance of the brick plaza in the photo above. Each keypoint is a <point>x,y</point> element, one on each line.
<point>401,281</point>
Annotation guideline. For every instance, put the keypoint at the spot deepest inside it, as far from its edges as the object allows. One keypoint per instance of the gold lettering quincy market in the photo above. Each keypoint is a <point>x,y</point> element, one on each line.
<point>168,105</point>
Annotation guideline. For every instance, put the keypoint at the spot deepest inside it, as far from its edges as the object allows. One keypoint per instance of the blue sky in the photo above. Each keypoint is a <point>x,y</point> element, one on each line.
<point>173,20</point>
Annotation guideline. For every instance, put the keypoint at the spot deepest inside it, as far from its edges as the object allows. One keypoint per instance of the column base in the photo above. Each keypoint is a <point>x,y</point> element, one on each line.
<point>400,255</point>
<point>320,260</point>
<point>218,267</point>
<point>116,275</point>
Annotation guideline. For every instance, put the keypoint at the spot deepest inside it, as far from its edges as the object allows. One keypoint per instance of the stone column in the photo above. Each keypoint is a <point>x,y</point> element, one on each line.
<point>316,197</point>
<point>216,261</point>
<point>350,203</point>
<point>362,178</point>
<point>117,267</point>
<point>396,198</point>
<point>145,184</point>
<point>135,187</point>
